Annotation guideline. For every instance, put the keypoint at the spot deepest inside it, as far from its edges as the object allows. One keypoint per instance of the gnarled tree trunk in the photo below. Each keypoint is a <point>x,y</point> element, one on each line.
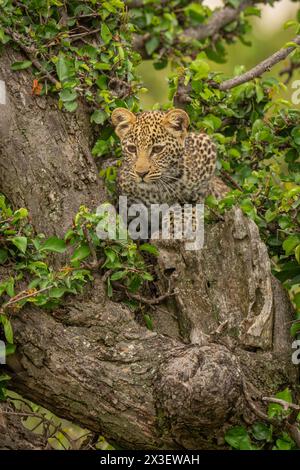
<point>220,344</point>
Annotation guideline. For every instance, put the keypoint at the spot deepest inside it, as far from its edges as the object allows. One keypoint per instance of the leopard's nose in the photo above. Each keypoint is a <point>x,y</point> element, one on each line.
<point>142,174</point>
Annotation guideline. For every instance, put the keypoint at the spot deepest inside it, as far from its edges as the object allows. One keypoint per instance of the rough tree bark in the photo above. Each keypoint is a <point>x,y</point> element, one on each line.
<point>14,436</point>
<point>221,343</point>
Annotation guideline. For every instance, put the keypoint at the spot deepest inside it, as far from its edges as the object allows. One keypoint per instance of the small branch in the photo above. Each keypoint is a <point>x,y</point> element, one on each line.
<point>286,405</point>
<point>95,261</point>
<point>289,70</point>
<point>231,180</point>
<point>77,36</point>
<point>260,68</point>
<point>29,51</point>
<point>257,411</point>
<point>294,432</point>
<point>145,300</point>
<point>20,297</point>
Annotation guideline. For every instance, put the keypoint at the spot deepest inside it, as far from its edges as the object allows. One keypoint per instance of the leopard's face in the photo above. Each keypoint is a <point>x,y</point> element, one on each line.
<point>152,144</point>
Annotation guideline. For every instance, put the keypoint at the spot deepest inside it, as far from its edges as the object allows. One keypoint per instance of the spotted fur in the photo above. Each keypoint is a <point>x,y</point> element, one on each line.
<point>163,163</point>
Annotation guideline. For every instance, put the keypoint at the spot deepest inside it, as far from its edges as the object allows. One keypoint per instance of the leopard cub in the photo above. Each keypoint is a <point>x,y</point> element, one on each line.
<point>163,162</point>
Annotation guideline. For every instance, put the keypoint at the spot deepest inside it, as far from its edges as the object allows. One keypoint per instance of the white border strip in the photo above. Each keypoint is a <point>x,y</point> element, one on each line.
<point>2,92</point>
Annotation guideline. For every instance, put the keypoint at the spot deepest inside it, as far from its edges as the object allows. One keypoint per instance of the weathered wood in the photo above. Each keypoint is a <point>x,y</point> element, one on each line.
<point>45,158</point>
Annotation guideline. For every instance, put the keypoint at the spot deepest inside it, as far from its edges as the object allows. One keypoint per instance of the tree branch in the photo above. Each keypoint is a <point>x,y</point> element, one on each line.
<point>288,71</point>
<point>218,20</point>
<point>260,68</point>
<point>286,405</point>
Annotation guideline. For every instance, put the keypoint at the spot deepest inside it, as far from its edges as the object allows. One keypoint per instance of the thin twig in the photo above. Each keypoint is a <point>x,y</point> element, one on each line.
<point>146,300</point>
<point>20,297</point>
<point>77,36</point>
<point>86,232</point>
<point>246,389</point>
<point>289,70</point>
<point>286,405</point>
<point>230,179</point>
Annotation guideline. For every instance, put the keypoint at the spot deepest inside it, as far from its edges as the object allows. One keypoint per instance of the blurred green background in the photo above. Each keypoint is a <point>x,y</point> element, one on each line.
<point>267,36</point>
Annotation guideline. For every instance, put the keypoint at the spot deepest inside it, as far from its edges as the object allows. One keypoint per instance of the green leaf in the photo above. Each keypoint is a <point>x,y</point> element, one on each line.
<point>71,106</point>
<point>212,122</point>
<point>149,248</point>
<point>54,244</point>
<point>274,409</point>
<point>62,69</point>
<point>252,11</point>
<point>102,66</point>
<point>238,438</point>
<point>10,349</point>
<point>68,95</point>
<point>4,377</point>
<point>148,321</point>
<point>270,215</point>
<point>290,244</point>
<point>21,213</point>
<point>281,444</point>
<point>109,288</point>
<point>201,67</point>
<point>8,331</point>
<point>20,243</point>
<point>80,253</point>
<point>118,275</point>
<point>10,287</point>
<point>57,292</point>
<point>290,23</point>
<point>105,33</point>
<point>295,328</point>
<point>100,148</point>
<point>296,300</point>
<point>3,255</point>
<point>262,432</point>
<point>98,116</point>
<point>110,254</point>
<point>152,45</point>
<point>234,3</point>
<point>147,277</point>
<point>296,135</point>
<point>285,395</point>
<point>196,11</point>
<point>135,283</point>
<point>25,64</point>
<point>259,93</point>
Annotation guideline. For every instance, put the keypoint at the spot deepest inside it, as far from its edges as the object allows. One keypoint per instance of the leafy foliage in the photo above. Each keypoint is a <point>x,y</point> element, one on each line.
<point>83,49</point>
<point>34,279</point>
<point>262,436</point>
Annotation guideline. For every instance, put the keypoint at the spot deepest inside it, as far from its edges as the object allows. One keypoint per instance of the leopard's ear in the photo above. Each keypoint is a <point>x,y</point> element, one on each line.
<point>177,122</point>
<point>122,120</point>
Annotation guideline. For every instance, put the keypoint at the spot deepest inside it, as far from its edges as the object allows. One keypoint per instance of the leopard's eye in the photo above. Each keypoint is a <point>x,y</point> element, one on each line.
<point>131,148</point>
<point>158,148</point>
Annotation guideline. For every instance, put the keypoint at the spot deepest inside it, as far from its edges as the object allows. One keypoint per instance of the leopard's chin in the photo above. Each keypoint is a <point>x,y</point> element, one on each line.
<point>147,184</point>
